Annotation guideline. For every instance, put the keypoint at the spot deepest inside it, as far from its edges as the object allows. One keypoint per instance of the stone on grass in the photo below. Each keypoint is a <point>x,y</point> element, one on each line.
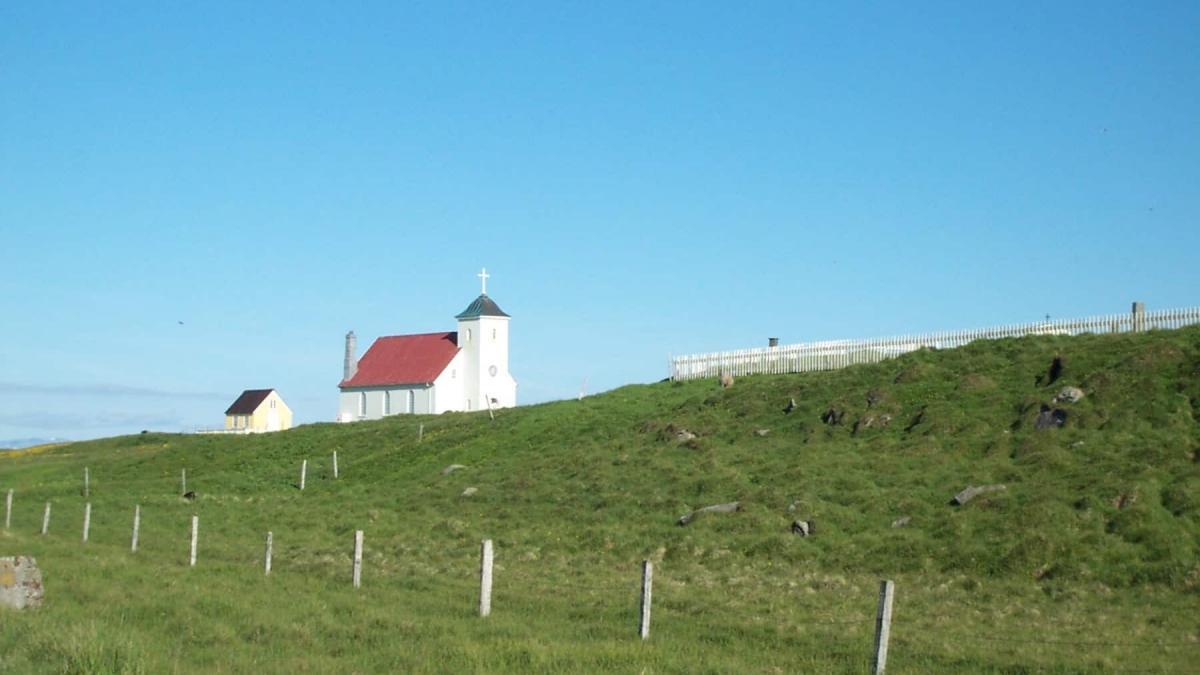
<point>790,406</point>
<point>20,582</point>
<point>470,491</point>
<point>715,508</point>
<point>683,436</point>
<point>902,522</point>
<point>726,380</point>
<point>761,432</point>
<point>1069,395</point>
<point>452,468</point>
<point>974,491</point>
<point>801,527</point>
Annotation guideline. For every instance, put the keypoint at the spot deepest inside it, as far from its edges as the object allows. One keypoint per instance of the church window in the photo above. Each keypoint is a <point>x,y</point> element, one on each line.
<point>468,335</point>
<point>453,373</point>
<point>412,401</point>
<point>493,333</point>
<point>362,404</point>
<point>387,403</point>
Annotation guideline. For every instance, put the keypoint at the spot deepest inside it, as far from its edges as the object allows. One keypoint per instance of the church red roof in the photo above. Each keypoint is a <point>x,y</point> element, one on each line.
<point>404,359</point>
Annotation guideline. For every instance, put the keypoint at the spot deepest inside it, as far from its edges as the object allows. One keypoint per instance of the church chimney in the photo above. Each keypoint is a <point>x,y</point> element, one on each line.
<point>351,365</point>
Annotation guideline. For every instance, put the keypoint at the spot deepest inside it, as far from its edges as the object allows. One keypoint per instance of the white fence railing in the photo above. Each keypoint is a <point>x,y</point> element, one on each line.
<point>811,356</point>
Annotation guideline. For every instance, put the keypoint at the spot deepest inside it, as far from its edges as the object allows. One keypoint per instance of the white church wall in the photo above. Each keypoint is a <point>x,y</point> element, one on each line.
<point>448,387</point>
<point>372,403</point>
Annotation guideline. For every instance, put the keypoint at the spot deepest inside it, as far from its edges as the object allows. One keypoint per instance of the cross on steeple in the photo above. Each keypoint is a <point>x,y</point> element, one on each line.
<point>483,277</point>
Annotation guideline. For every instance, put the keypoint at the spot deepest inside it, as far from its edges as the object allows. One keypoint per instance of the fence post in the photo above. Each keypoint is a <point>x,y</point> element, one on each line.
<point>137,521</point>
<point>46,519</point>
<point>420,432</point>
<point>86,483</point>
<point>358,548</point>
<point>195,535</point>
<point>87,520</point>
<point>1138,323</point>
<point>303,472</point>
<point>8,510</point>
<point>335,471</point>
<point>647,584</point>
<point>183,482</point>
<point>267,558</point>
<point>485,578</point>
<point>883,625</point>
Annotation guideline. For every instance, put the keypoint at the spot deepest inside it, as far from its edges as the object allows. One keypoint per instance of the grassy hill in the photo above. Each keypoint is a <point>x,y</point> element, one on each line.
<point>1088,561</point>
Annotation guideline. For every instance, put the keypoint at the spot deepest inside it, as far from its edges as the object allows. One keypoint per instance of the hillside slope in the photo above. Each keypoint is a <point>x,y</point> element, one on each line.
<point>1099,523</point>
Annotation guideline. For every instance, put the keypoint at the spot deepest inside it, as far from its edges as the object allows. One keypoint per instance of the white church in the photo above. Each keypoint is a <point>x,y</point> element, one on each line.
<point>431,373</point>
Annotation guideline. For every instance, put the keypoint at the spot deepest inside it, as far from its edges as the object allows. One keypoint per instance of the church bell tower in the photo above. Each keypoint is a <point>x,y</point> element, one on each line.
<point>483,339</point>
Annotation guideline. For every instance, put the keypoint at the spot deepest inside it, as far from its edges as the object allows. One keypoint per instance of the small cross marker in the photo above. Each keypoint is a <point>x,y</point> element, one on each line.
<point>483,276</point>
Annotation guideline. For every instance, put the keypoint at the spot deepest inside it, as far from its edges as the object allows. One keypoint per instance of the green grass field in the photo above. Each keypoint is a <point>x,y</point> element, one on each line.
<point>1088,562</point>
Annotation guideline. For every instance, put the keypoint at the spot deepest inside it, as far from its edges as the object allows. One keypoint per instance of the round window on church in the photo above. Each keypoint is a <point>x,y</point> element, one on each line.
<point>492,371</point>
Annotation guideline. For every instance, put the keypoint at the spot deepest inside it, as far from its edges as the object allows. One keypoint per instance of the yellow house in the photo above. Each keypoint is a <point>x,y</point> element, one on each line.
<point>258,410</point>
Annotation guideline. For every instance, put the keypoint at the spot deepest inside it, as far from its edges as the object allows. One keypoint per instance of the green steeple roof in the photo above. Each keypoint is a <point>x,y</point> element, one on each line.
<point>482,306</point>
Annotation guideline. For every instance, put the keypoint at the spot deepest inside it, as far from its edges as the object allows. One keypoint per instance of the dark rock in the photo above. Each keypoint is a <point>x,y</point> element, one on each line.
<point>731,507</point>
<point>874,398</point>
<point>1050,418</point>
<point>801,527</point>
<point>833,416</point>
<point>190,495</point>
<point>920,417</point>
<point>790,406</point>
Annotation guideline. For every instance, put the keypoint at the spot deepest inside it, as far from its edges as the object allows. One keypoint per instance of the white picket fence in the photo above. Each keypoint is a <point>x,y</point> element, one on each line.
<point>812,356</point>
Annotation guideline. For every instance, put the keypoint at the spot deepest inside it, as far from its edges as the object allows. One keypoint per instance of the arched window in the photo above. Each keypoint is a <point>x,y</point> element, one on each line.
<point>362,404</point>
<point>412,401</point>
<point>387,403</point>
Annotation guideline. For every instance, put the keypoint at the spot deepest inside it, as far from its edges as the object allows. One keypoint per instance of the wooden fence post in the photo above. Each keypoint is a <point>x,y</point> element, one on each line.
<point>420,432</point>
<point>183,482</point>
<point>46,519</point>
<point>86,483</point>
<point>8,510</point>
<point>883,625</point>
<point>137,522</point>
<point>267,558</point>
<point>486,557</point>
<point>647,583</point>
<point>358,548</point>
<point>303,472</point>
<point>87,520</point>
<point>195,535</point>
<point>335,471</point>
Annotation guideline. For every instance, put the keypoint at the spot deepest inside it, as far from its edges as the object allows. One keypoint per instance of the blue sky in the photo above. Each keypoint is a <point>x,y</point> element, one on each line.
<point>639,180</point>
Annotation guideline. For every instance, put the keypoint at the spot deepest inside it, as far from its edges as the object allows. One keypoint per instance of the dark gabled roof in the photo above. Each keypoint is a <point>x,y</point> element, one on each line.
<point>483,306</point>
<point>404,359</point>
<point>249,401</point>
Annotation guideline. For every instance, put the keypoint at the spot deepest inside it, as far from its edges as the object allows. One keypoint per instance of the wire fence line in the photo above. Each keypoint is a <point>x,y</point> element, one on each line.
<point>834,354</point>
<point>514,581</point>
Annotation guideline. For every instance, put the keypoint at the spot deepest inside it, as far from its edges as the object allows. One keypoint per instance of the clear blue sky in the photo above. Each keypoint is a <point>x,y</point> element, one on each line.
<point>639,179</point>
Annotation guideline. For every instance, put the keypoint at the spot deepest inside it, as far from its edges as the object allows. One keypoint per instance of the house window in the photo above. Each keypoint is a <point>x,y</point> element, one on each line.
<point>272,404</point>
<point>387,403</point>
<point>362,404</point>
